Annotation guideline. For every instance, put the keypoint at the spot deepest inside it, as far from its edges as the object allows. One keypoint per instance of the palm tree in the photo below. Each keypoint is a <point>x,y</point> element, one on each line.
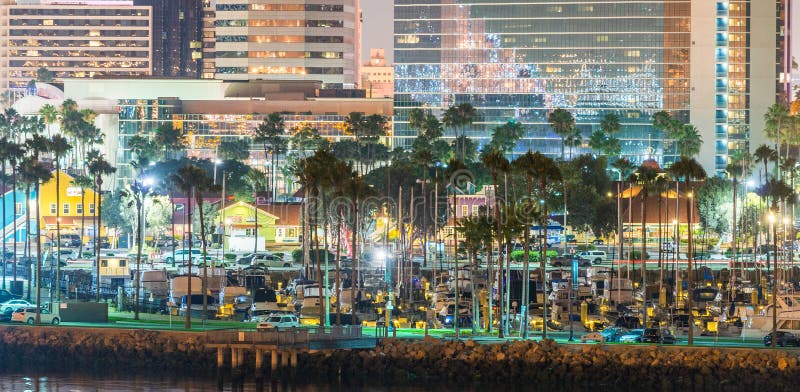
<point>477,232</point>
<point>735,171</point>
<point>83,182</point>
<point>136,192</point>
<point>459,117</point>
<point>778,192</point>
<point>563,125</point>
<point>4,142</point>
<point>416,119</point>
<point>775,119</point>
<point>33,172</point>
<point>689,170</point>
<point>186,180</point>
<point>270,133</point>
<point>257,181</point>
<point>99,167</point>
<point>689,140</point>
<point>764,154</point>
<point>14,153</point>
<point>356,190</point>
<point>203,182</point>
<point>168,138</point>
<point>49,113</point>
<point>536,166</point>
<point>497,164</point>
<point>456,172</point>
<point>645,177</point>
<point>59,146</point>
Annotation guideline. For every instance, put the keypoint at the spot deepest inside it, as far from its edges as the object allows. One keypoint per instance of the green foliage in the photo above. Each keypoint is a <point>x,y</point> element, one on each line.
<point>637,255</point>
<point>236,149</point>
<point>44,75</point>
<point>116,215</point>
<point>518,256</point>
<point>715,204</point>
<point>297,256</point>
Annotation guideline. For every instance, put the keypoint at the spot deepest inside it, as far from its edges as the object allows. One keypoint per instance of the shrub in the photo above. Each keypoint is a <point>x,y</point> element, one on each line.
<point>518,256</point>
<point>637,255</point>
<point>297,256</point>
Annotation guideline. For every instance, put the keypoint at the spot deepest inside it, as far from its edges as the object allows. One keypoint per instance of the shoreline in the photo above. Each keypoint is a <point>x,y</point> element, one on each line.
<point>422,362</point>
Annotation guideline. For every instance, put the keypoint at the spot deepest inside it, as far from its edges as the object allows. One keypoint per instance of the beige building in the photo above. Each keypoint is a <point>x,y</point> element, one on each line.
<point>287,40</point>
<point>76,39</point>
<point>377,77</point>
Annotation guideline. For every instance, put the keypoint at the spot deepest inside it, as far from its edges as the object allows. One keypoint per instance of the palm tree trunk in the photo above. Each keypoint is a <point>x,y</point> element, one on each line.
<point>14,216</point>
<point>58,233</point>
<point>733,240</point>
<point>98,187</point>
<point>83,220</point>
<point>188,322</point>
<point>689,277</point>
<point>318,259</point>
<point>456,312</point>
<point>525,300</point>
<point>500,240</point>
<point>204,287</point>
<point>39,256</point>
<point>326,305</point>
<point>139,208</point>
<point>355,262</point>
<point>644,257</point>
<point>338,292</point>
<point>28,236</point>
<point>3,187</point>
<point>542,262</point>
<point>475,305</point>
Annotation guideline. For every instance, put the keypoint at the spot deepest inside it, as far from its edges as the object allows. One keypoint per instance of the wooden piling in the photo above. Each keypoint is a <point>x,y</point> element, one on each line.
<point>274,361</point>
<point>220,357</point>
<point>259,359</point>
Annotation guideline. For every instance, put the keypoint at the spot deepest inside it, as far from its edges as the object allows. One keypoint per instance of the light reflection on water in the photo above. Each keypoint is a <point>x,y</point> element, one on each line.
<point>84,383</point>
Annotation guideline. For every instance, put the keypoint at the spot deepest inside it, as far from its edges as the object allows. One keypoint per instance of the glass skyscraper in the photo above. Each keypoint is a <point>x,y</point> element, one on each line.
<point>522,59</point>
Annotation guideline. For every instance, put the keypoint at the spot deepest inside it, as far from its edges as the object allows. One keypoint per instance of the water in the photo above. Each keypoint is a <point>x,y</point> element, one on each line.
<point>84,383</point>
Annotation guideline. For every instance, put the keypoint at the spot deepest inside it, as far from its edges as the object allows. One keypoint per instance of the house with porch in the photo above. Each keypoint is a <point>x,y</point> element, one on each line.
<point>664,215</point>
<point>246,227</point>
<point>13,207</point>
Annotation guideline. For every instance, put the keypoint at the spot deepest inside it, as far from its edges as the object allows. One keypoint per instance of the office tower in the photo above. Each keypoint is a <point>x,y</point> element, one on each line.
<point>177,26</point>
<point>522,59</point>
<point>377,77</point>
<point>76,39</point>
<point>288,40</point>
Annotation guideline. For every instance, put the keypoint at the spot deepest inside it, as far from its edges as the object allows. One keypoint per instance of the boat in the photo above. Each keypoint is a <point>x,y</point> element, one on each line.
<point>758,325</point>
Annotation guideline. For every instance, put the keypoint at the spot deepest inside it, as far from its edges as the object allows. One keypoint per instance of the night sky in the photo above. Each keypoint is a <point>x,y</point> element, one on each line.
<point>377,27</point>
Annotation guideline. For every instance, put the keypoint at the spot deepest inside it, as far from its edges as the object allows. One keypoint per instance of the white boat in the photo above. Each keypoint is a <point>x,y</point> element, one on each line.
<point>788,317</point>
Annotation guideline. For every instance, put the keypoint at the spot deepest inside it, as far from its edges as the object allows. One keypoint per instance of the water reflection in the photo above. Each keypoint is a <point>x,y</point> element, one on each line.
<point>85,383</point>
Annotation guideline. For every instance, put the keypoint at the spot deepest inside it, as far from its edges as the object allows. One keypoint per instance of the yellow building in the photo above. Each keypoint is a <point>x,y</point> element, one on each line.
<point>240,226</point>
<point>71,208</point>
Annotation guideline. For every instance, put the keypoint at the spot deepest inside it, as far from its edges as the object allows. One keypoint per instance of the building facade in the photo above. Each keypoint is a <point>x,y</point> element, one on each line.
<point>712,64</point>
<point>177,39</point>
<point>377,77</point>
<point>79,39</point>
<point>290,40</point>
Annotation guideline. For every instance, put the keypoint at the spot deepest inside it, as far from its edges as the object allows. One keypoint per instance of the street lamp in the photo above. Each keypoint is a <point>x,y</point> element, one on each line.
<point>217,162</point>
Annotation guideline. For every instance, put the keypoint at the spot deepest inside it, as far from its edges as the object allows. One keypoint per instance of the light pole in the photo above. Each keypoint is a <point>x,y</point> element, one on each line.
<point>217,162</point>
<point>771,218</point>
<point>619,232</point>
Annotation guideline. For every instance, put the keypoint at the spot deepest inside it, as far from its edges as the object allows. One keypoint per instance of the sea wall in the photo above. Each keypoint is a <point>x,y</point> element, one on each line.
<point>416,362</point>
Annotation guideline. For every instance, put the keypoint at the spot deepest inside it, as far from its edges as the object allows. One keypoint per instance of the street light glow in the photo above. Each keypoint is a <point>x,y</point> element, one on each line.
<point>771,217</point>
<point>148,181</point>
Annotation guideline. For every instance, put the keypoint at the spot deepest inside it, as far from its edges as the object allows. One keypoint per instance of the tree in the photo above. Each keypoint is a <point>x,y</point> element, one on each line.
<point>764,154</point>
<point>778,192</point>
<point>645,176</point>
<point>203,182</point>
<point>563,125</point>
<point>505,137</point>
<point>83,182</point>
<point>34,172</point>
<point>44,75</point>
<point>59,146</point>
<point>99,167</point>
<point>271,133</point>
<point>536,166</point>
<point>416,119</point>
<point>497,164</point>
<point>459,118</point>
<point>257,181</point>
<point>234,150</point>
<point>775,120</point>
<point>477,234</point>
<point>49,114</point>
<point>186,180</point>
<point>169,139</point>
<point>689,140</point>
<point>136,193</point>
<point>689,170</point>
<point>713,198</point>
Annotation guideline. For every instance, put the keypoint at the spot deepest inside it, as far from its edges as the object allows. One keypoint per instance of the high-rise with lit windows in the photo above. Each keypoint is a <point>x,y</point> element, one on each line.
<point>714,64</point>
<point>288,40</point>
<point>85,38</point>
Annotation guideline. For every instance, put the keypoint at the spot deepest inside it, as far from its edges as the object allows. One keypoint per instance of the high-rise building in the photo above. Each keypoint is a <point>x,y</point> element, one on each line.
<point>177,26</point>
<point>288,40</point>
<point>713,64</point>
<point>75,39</point>
<point>377,77</point>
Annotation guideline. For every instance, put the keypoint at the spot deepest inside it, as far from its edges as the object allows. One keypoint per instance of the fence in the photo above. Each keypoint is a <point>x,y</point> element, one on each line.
<point>288,337</point>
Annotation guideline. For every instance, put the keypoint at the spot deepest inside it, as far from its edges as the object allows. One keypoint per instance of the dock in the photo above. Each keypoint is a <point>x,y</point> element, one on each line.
<point>282,346</point>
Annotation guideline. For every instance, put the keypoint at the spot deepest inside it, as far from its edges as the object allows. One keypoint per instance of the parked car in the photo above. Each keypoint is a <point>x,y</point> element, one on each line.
<point>613,334</point>
<point>269,261</point>
<point>651,335</point>
<point>598,241</point>
<point>28,315</point>
<point>14,304</point>
<point>629,322</point>
<point>279,321</point>
<point>70,240</point>
<point>783,339</point>
<point>633,336</point>
<point>181,256</point>
<point>6,295</point>
<point>593,337</point>
<point>104,243</point>
<point>566,261</point>
<point>595,256</point>
<point>166,242</point>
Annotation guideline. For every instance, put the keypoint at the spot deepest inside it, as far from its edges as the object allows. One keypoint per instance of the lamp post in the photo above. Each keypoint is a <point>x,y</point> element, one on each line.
<point>619,232</point>
<point>771,219</point>
<point>217,162</point>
